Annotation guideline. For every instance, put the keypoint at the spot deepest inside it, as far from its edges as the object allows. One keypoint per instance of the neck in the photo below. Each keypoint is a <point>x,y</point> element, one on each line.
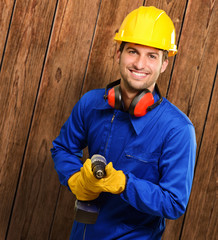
<point>129,95</point>
<point>127,98</point>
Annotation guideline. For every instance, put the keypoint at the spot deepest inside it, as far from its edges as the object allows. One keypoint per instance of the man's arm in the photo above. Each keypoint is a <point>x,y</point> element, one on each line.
<point>67,147</point>
<point>169,198</point>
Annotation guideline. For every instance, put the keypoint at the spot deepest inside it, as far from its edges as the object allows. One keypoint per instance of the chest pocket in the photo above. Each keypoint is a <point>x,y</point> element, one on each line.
<point>142,165</point>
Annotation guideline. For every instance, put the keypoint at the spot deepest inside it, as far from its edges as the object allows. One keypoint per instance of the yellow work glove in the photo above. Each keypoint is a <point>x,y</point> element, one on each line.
<point>78,187</point>
<point>114,181</point>
<point>92,183</point>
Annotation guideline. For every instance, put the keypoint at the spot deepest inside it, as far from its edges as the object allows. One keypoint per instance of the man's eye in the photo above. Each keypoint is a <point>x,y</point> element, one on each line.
<point>132,52</point>
<point>153,56</point>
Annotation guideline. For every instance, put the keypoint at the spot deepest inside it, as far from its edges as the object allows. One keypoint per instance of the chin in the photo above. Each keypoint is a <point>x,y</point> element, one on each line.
<point>139,87</point>
<point>136,88</point>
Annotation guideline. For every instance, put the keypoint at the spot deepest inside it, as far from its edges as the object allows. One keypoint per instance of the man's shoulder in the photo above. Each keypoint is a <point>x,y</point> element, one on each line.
<point>174,115</point>
<point>93,95</point>
<point>94,99</point>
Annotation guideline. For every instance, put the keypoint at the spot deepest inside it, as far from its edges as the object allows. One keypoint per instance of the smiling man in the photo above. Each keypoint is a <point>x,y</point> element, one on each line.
<point>140,67</point>
<point>148,143</point>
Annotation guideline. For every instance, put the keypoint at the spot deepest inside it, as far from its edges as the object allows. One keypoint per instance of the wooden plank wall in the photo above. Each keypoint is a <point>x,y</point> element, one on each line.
<point>51,53</point>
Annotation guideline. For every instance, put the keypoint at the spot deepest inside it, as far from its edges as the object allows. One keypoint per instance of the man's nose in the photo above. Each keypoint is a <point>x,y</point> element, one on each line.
<point>140,62</point>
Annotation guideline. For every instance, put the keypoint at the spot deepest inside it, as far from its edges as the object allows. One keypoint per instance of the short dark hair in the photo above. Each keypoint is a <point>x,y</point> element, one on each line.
<point>122,45</point>
<point>165,52</point>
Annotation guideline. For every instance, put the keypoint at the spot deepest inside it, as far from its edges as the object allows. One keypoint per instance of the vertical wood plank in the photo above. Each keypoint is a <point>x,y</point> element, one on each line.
<point>59,90</point>
<point>6,8</point>
<point>196,62</point>
<point>201,218</point>
<point>194,73</point>
<point>19,81</point>
<point>64,215</point>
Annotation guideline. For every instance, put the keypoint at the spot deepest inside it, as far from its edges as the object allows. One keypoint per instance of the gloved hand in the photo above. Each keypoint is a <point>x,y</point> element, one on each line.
<point>78,187</point>
<point>91,182</point>
<point>114,181</point>
<point>87,187</point>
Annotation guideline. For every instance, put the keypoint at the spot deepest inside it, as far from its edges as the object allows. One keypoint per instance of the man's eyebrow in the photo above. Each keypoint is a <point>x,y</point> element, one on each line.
<point>132,48</point>
<point>149,52</point>
<point>157,53</point>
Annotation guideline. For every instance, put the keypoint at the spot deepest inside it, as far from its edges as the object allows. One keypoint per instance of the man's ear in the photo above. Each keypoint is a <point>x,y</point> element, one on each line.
<point>164,65</point>
<point>118,56</point>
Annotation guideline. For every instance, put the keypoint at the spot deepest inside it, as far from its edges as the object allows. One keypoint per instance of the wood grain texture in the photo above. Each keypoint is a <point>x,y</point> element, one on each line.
<point>201,219</point>
<point>202,75</point>
<point>60,88</point>
<point>6,9</point>
<point>19,79</point>
<point>196,62</point>
<point>64,215</point>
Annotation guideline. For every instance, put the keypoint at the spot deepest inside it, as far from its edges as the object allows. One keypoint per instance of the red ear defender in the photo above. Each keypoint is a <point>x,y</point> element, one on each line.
<point>140,105</point>
<point>111,97</point>
<point>114,97</point>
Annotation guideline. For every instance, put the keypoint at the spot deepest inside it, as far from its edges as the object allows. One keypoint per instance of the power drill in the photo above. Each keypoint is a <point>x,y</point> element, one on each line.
<point>87,211</point>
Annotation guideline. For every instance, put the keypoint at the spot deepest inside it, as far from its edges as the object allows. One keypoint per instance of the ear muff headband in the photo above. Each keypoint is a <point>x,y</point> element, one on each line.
<point>141,104</point>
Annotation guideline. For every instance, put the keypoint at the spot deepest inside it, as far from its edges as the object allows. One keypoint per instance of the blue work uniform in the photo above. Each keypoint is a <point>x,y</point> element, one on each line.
<point>156,152</point>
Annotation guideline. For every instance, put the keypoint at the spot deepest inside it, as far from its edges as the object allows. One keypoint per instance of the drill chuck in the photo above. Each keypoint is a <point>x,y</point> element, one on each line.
<point>98,165</point>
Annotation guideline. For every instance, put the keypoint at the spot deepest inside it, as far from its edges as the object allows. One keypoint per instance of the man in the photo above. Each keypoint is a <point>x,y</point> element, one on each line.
<point>148,143</point>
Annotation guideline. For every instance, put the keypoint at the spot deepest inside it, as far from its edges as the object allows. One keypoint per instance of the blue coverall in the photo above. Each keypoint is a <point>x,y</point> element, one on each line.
<point>156,152</point>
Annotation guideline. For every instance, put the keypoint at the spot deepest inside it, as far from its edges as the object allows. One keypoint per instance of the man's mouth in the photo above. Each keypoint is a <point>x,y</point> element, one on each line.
<point>139,74</point>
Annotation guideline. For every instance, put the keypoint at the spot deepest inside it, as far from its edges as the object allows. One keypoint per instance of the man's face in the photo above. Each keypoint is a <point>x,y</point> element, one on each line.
<point>140,67</point>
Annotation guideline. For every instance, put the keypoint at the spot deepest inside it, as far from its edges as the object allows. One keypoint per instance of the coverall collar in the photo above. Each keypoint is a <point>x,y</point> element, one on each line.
<point>138,123</point>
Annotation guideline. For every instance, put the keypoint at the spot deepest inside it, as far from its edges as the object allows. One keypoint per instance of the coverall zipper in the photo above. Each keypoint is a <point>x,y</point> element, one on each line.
<point>112,120</point>
<point>84,232</point>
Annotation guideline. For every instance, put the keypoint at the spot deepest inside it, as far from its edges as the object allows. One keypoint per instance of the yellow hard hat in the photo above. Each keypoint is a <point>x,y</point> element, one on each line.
<point>148,26</point>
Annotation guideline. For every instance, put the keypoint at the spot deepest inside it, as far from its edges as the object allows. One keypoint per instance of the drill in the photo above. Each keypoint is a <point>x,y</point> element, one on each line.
<point>87,211</point>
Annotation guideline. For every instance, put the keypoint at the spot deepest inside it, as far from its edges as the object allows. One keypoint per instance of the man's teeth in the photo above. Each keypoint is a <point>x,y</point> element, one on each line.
<point>139,74</point>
